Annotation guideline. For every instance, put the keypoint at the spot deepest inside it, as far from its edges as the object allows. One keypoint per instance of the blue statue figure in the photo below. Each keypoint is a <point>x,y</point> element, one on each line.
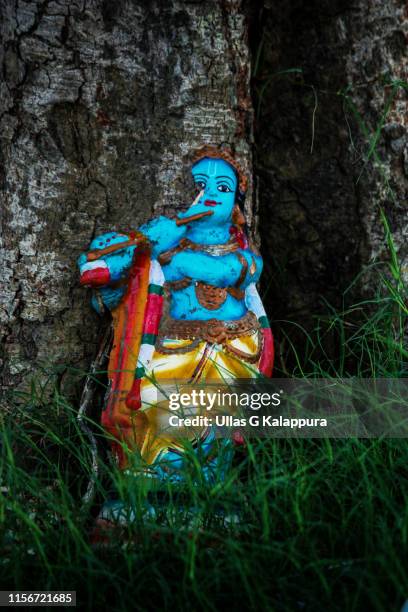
<point>217,326</point>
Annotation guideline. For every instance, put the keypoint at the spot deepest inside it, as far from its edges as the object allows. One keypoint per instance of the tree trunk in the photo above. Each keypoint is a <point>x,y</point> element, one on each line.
<point>322,69</point>
<point>102,104</point>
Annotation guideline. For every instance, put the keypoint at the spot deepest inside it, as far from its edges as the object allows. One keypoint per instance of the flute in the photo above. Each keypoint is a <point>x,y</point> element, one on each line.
<point>98,253</point>
<point>193,218</point>
<point>197,215</point>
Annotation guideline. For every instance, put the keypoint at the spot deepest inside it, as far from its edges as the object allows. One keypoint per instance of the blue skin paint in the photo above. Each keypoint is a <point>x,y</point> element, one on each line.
<point>218,181</point>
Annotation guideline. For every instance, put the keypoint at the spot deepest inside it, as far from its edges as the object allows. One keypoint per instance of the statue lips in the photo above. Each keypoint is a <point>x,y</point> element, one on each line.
<point>211,203</point>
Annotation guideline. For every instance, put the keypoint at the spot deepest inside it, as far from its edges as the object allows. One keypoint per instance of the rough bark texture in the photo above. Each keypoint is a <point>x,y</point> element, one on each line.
<point>102,103</point>
<point>319,203</point>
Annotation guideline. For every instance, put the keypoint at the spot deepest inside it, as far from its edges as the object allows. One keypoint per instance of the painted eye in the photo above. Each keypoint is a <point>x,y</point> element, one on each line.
<point>200,185</point>
<point>224,188</point>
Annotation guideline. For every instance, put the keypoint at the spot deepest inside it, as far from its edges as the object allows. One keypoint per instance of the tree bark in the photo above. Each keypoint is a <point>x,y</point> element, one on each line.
<point>322,68</point>
<point>102,104</point>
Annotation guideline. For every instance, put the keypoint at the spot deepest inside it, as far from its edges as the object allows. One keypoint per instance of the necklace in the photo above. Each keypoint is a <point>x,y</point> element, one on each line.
<point>212,249</point>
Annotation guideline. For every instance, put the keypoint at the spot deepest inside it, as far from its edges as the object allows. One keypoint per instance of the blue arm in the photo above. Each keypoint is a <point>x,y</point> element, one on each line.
<point>163,234</point>
<point>218,270</point>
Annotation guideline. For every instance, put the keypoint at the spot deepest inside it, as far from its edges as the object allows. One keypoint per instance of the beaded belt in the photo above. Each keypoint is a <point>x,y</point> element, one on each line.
<point>214,331</point>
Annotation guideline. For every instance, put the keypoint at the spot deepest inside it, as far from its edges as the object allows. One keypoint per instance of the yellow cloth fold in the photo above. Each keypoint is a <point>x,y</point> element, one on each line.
<point>205,362</point>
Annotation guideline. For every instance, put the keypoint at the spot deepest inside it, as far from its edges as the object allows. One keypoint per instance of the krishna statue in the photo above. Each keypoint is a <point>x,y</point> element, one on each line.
<point>203,263</point>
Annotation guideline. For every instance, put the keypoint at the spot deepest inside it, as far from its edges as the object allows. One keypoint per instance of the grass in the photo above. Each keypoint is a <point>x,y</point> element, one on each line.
<point>326,529</point>
<point>325,521</point>
<point>365,339</point>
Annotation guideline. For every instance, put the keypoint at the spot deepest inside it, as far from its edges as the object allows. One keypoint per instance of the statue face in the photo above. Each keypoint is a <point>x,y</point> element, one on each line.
<point>219,182</point>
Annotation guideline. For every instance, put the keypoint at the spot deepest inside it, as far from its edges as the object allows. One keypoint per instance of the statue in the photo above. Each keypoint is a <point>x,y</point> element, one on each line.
<point>203,262</point>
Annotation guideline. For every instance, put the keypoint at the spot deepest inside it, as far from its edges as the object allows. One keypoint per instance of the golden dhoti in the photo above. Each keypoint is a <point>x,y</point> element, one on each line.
<point>217,352</point>
<point>182,369</point>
